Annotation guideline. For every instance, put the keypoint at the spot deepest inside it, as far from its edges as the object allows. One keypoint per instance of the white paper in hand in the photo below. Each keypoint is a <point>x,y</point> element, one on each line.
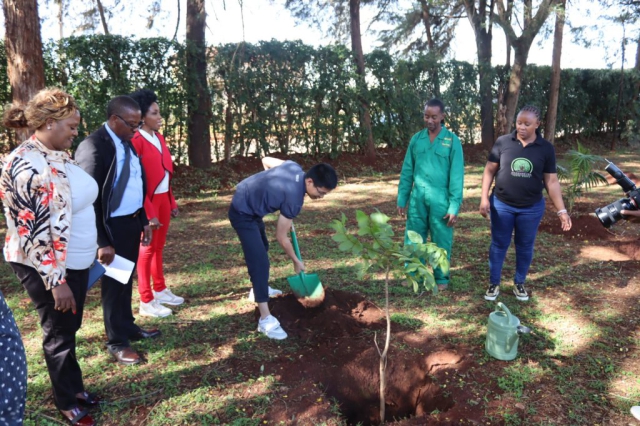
<point>120,269</point>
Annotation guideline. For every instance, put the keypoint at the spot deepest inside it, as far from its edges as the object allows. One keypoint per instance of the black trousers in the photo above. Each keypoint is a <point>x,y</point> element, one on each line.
<point>255,246</point>
<point>116,297</point>
<point>59,329</point>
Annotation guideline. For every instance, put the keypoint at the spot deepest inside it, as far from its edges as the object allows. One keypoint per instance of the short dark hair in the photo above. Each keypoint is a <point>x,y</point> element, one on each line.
<point>120,104</point>
<point>144,98</point>
<point>323,176</point>
<point>435,102</point>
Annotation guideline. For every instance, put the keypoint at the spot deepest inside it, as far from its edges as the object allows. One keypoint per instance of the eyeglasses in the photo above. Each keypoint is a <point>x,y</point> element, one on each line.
<point>131,126</point>
<point>322,193</point>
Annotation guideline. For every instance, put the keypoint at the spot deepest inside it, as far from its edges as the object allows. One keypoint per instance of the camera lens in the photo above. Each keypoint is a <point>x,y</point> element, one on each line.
<point>608,215</point>
<point>605,217</point>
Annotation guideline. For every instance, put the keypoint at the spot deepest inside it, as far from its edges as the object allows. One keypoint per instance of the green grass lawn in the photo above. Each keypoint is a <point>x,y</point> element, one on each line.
<point>580,366</point>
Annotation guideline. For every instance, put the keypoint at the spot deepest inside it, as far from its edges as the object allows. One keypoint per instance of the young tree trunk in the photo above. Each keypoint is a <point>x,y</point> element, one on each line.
<point>103,19</point>
<point>383,354</point>
<point>23,45</point>
<point>554,89</point>
<point>198,102</point>
<point>356,46</point>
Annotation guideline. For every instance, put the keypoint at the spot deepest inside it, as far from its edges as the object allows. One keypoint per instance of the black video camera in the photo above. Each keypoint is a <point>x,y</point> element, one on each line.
<point>608,215</point>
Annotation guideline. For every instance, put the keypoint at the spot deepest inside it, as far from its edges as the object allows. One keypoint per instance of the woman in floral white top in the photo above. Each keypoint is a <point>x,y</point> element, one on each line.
<point>51,236</point>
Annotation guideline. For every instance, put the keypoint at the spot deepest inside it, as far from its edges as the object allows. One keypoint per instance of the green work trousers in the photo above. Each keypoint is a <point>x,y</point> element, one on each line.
<point>425,215</point>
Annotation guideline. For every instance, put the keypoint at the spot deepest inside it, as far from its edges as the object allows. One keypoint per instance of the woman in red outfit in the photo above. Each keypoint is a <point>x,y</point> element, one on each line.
<point>160,206</point>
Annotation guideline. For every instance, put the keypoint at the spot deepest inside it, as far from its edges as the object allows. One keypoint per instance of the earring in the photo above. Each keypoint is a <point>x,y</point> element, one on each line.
<point>48,127</point>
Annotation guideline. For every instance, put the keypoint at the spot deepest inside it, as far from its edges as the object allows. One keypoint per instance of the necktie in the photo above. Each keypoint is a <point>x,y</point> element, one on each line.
<point>118,190</point>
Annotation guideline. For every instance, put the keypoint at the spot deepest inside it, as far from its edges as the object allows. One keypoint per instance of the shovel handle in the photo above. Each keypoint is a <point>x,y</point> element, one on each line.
<point>294,241</point>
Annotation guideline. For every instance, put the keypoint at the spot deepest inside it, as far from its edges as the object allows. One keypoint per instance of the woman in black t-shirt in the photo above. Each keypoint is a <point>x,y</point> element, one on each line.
<point>523,164</point>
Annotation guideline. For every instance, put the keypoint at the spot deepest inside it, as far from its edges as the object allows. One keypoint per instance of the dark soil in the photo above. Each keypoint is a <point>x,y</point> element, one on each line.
<point>339,359</point>
<point>583,227</point>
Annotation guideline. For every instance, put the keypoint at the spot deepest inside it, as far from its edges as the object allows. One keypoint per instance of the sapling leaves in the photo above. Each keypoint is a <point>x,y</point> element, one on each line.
<point>374,243</point>
<point>414,237</point>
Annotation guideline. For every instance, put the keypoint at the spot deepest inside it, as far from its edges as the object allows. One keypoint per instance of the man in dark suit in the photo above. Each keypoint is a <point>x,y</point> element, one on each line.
<point>109,157</point>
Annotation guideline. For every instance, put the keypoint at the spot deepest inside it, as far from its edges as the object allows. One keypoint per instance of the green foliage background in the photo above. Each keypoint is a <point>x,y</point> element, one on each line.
<point>285,96</point>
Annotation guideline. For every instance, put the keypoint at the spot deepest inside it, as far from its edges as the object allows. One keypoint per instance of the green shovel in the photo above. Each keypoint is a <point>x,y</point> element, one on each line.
<point>306,287</point>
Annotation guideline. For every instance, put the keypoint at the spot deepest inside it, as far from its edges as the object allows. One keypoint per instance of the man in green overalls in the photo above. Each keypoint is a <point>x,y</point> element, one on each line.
<point>431,182</point>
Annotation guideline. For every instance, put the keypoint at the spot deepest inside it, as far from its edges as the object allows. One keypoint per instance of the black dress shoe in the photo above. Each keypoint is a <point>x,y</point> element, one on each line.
<point>89,399</point>
<point>145,334</point>
<point>127,356</point>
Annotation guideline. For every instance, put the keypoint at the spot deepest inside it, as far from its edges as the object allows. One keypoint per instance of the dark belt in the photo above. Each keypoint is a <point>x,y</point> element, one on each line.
<point>136,213</point>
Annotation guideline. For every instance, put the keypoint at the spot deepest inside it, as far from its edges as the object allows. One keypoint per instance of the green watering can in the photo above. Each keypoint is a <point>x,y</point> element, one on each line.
<point>306,287</point>
<point>503,333</point>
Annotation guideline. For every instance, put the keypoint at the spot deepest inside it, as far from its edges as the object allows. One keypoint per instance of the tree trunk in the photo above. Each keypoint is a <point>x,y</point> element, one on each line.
<point>483,37</point>
<point>356,46</point>
<point>103,19</point>
<point>23,45</point>
<point>521,45</point>
<point>228,128</point>
<point>426,20</point>
<point>60,18</point>
<point>509,14</point>
<point>616,134</point>
<point>485,74</point>
<point>636,90</point>
<point>554,89</point>
<point>515,81</point>
<point>198,101</point>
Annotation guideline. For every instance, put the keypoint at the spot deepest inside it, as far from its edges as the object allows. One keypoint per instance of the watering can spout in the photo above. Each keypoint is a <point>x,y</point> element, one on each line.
<point>521,329</point>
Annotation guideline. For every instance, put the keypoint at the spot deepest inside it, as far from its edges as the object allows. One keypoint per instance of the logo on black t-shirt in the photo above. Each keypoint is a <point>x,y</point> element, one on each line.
<point>521,167</point>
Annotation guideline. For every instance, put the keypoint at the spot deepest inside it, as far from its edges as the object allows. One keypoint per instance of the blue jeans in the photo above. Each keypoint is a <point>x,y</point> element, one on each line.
<point>504,219</point>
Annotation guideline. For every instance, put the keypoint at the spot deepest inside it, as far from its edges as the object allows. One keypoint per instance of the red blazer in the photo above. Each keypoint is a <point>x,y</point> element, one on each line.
<point>154,164</point>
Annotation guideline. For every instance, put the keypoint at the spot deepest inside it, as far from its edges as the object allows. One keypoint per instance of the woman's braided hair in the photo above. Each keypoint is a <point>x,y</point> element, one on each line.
<point>532,109</point>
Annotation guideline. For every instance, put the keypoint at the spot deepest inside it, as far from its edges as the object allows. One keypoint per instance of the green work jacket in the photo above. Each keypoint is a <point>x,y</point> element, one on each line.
<point>437,167</point>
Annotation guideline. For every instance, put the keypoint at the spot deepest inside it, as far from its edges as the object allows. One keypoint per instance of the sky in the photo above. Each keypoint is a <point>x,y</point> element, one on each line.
<point>228,22</point>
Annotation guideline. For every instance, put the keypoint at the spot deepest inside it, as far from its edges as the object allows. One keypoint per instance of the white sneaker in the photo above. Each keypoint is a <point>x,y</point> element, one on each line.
<point>154,309</point>
<point>273,292</point>
<point>270,327</point>
<point>635,412</point>
<point>168,298</point>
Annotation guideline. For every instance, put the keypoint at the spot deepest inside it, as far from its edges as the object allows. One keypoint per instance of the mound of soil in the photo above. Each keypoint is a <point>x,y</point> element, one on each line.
<point>339,359</point>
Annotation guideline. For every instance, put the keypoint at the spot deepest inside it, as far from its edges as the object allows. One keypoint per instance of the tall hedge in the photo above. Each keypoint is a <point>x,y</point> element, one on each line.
<point>276,96</point>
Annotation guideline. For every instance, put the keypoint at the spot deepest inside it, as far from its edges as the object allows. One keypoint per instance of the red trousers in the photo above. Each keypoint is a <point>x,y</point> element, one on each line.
<point>150,257</point>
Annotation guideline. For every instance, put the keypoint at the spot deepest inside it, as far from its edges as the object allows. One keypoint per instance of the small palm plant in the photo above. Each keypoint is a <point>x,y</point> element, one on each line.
<point>375,245</point>
<point>579,174</point>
